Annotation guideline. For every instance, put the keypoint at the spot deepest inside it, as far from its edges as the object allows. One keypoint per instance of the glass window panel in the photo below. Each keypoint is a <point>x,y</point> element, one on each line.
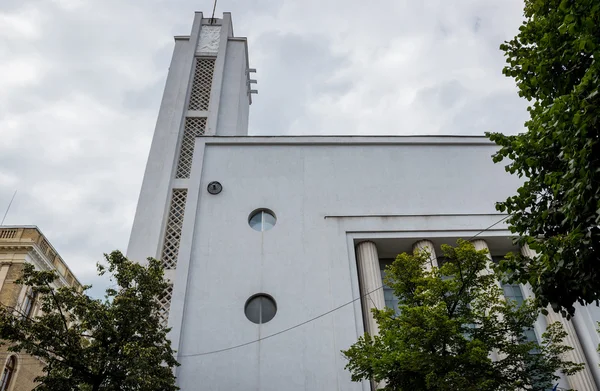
<point>262,220</point>
<point>268,309</point>
<point>391,301</point>
<point>4,380</point>
<point>256,221</point>
<point>388,294</point>
<point>517,291</point>
<point>268,221</point>
<point>519,301</point>
<point>260,309</point>
<point>28,303</point>
<point>513,292</point>
<point>7,374</point>
<point>530,335</point>
<point>253,310</point>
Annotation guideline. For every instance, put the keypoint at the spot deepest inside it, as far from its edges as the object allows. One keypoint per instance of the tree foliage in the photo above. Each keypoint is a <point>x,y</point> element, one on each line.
<point>555,62</point>
<point>452,320</point>
<point>97,345</point>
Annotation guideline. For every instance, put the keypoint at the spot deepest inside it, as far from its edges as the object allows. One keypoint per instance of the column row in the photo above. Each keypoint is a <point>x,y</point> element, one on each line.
<point>371,283</point>
<point>582,380</point>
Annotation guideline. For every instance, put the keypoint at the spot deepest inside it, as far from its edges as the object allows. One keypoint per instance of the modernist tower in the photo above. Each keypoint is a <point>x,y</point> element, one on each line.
<point>272,244</point>
<point>208,93</point>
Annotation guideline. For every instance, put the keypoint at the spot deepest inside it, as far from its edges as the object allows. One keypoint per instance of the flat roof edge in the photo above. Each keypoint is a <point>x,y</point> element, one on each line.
<point>346,140</point>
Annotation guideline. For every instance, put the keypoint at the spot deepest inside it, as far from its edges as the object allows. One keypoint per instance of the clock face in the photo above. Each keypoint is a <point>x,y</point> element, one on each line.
<point>214,187</point>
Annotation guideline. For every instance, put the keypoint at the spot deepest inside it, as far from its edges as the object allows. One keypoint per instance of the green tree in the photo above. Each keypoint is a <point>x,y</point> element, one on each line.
<point>451,321</point>
<point>554,60</point>
<point>97,345</point>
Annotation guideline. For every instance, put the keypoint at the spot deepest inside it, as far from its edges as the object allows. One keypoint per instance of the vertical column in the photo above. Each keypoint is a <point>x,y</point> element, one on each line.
<point>582,380</point>
<point>369,275</point>
<point>479,245</point>
<point>427,246</point>
<point>3,272</point>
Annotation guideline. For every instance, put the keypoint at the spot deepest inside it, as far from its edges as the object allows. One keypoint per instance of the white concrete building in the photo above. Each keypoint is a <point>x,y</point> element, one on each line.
<point>306,222</point>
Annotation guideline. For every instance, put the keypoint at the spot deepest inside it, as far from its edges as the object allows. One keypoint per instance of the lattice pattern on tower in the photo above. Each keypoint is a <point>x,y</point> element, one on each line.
<point>165,305</point>
<point>201,86</point>
<point>194,127</point>
<point>173,230</point>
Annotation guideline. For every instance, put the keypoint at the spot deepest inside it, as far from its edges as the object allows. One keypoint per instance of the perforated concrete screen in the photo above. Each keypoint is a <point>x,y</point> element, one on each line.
<point>203,75</point>
<point>173,229</point>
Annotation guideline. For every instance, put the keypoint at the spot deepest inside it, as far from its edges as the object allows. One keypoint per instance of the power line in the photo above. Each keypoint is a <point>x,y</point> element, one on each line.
<point>488,228</point>
<point>318,316</point>
<point>282,331</point>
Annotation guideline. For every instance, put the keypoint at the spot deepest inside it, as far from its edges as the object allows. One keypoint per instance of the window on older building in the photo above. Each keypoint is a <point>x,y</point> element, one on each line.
<point>29,303</point>
<point>8,373</point>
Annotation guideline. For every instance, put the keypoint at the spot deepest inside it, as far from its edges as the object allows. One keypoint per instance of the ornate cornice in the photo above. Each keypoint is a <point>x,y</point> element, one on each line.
<point>40,261</point>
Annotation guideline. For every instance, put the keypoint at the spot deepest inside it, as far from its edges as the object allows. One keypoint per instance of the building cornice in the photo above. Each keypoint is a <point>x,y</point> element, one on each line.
<point>40,261</point>
<point>45,257</point>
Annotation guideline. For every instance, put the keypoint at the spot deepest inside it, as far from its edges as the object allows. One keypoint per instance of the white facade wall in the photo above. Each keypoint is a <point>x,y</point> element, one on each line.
<point>329,194</point>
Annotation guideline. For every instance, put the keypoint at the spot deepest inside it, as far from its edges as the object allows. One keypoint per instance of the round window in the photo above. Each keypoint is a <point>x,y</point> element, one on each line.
<point>262,220</point>
<point>260,308</point>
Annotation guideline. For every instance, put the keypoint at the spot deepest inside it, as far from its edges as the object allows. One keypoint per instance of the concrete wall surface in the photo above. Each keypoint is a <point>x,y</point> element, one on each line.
<point>325,193</point>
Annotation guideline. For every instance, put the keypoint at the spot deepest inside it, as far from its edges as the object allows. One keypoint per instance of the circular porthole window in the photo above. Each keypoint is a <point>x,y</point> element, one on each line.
<point>262,220</point>
<point>260,308</point>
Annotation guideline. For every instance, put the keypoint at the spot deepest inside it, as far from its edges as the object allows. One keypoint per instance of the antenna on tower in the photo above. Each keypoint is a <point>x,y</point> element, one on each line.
<point>212,18</point>
<point>8,208</point>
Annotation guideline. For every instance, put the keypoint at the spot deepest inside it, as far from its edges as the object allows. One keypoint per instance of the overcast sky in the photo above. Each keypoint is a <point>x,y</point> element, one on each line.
<point>81,82</point>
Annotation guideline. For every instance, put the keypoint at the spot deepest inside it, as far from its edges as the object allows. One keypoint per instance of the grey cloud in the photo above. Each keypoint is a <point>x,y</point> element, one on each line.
<point>297,69</point>
<point>76,129</point>
<point>493,113</point>
<point>477,24</point>
<point>444,95</point>
<point>14,5</point>
<point>145,97</point>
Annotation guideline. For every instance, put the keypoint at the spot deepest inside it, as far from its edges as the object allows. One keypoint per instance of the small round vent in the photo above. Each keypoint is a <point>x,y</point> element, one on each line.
<point>214,187</point>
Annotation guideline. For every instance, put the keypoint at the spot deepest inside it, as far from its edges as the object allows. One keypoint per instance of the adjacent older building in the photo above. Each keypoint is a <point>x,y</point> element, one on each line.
<point>274,246</point>
<point>20,245</point>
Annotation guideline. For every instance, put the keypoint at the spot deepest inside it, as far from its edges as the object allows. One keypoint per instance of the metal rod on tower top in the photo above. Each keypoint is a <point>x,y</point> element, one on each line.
<point>8,208</point>
<point>212,18</point>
